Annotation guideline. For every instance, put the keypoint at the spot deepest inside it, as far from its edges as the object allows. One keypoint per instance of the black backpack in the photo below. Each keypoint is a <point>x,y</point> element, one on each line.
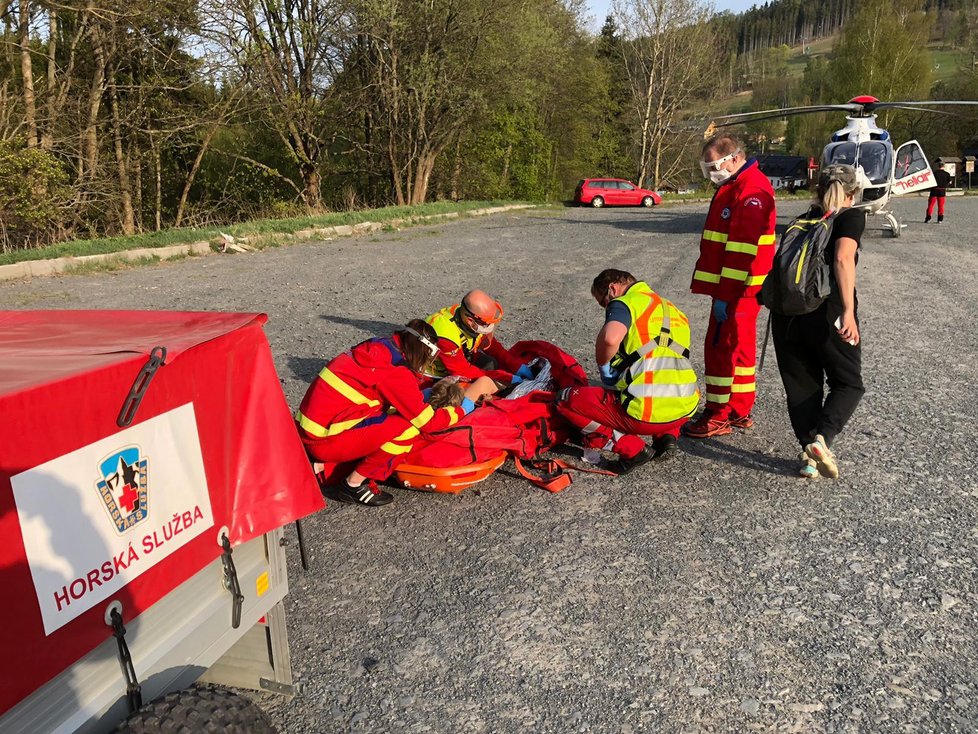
<point>800,279</point>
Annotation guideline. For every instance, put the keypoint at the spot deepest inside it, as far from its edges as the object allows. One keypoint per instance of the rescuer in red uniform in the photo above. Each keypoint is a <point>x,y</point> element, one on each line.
<point>367,404</point>
<point>736,253</point>
<point>465,334</point>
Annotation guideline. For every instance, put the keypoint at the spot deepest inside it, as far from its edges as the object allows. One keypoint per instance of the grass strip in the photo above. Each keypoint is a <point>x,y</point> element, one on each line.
<point>166,238</point>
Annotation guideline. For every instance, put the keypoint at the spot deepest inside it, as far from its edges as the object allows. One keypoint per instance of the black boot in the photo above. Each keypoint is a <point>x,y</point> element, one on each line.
<point>927,219</point>
<point>940,219</point>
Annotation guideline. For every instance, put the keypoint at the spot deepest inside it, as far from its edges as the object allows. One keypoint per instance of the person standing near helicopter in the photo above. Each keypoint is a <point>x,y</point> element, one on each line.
<point>736,253</point>
<point>937,194</point>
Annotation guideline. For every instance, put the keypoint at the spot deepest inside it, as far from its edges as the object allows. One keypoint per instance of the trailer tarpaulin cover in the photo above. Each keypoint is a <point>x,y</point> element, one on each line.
<point>91,512</point>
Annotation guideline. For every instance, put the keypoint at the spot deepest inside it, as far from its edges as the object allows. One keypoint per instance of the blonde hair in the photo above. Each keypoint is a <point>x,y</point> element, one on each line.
<point>836,183</point>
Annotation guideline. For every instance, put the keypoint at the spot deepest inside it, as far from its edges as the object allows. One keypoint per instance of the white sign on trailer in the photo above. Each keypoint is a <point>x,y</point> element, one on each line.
<point>95,519</point>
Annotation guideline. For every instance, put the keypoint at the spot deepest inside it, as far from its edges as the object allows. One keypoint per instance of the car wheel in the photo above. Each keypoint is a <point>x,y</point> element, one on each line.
<point>648,201</point>
<point>597,202</point>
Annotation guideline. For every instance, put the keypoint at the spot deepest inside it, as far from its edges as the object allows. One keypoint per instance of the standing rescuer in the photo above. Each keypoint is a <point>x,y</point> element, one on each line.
<point>736,253</point>
<point>938,194</point>
<point>465,333</point>
<point>643,357</point>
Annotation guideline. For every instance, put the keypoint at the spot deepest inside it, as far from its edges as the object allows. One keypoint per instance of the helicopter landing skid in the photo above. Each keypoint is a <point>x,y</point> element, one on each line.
<point>896,229</point>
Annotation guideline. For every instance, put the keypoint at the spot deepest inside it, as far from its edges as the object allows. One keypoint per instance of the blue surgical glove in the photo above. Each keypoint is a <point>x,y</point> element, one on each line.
<point>720,311</point>
<point>525,372</point>
<point>608,376</point>
<point>516,380</point>
<point>467,406</point>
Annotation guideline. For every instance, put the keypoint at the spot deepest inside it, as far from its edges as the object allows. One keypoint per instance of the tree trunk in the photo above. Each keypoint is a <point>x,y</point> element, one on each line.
<point>158,202</point>
<point>185,194</point>
<point>47,136</point>
<point>89,162</point>
<point>311,192</point>
<point>456,169</point>
<point>422,175</point>
<point>27,73</point>
<point>122,168</point>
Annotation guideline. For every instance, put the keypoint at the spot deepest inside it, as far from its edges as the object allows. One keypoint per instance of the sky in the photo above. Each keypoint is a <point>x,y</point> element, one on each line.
<point>599,8</point>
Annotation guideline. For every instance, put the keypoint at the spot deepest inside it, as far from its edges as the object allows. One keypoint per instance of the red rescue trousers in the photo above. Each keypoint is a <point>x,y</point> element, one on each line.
<point>939,200</point>
<point>730,353</point>
<point>598,414</point>
<point>380,443</point>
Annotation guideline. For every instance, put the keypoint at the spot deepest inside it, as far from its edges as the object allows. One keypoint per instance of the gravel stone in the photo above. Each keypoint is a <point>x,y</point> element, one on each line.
<point>714,593</point>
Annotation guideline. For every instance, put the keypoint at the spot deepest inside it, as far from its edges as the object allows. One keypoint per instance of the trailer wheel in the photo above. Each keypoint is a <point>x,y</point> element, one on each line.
<point>198,709</point>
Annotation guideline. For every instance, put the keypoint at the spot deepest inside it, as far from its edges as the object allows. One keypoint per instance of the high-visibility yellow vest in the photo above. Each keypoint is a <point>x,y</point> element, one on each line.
<point>446,327</point>
<point>657,383</point>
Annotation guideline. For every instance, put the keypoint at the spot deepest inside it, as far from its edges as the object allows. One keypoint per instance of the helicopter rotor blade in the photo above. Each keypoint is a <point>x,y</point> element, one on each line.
<point>786,111</point>
<point>928,103</point>
<point>780,114</point>
<point>922,109</point>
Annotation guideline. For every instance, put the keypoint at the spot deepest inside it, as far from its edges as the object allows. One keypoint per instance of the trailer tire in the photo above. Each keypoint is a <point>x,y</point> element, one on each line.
<point>198,709</point>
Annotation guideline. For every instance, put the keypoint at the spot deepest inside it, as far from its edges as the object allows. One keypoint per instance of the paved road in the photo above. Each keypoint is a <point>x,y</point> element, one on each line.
<point>717,593</point>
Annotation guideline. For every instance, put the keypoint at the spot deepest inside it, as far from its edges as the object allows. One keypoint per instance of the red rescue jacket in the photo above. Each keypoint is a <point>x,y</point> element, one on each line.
<point>367,382</point>
<point>737,246</point>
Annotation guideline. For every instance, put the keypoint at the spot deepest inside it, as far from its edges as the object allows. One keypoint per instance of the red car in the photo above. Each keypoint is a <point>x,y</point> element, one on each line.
<point>599,192</point>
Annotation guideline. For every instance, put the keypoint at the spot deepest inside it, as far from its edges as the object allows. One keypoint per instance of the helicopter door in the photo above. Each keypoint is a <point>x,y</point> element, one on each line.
<point>911,172</point>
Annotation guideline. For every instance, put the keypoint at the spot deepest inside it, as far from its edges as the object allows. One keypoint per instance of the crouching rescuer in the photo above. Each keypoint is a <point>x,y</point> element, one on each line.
<point>366,406</point>
<point>643,357</point>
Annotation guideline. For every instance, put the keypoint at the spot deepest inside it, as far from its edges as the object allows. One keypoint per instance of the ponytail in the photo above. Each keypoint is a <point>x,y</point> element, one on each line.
<point>836,183</point>
<point>834,197</point>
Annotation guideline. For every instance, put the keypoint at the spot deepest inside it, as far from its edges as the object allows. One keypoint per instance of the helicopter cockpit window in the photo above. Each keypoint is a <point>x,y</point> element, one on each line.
<point>840,154</point>
<point>910,160</point>
<point>875,159</point>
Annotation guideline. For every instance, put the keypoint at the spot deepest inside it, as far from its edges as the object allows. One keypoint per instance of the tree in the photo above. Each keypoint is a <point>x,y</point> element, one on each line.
<point>288,52</point>
<point>670,56</point>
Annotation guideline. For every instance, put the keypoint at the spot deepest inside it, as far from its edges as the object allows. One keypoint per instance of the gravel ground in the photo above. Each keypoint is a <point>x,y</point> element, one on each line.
<point>716,593</point>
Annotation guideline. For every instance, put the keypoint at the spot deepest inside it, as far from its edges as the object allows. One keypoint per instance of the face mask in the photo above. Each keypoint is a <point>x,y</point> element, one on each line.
<point>720,177</point>
<point>483,329</point>
<point>714,171</point>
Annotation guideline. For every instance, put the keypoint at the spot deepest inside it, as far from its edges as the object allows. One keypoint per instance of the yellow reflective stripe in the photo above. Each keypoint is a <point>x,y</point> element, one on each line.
<point>712,397</point>
<point>745,247</point>
<point>744,370</point>
<point>738,275</point>
<point>713,236</point>
<point>392,448</point>
<point>719,381</point>
<point>744,387</point>
<point>452,417</point>
<point>755,279</point>
<point>423,417</point>
<point>311,427</point>
<point>706,277</point>
<point>345,390</point>
<point>766,239</point>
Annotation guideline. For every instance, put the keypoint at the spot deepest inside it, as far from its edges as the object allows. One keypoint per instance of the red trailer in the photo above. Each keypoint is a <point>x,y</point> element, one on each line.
<point>148,463</point>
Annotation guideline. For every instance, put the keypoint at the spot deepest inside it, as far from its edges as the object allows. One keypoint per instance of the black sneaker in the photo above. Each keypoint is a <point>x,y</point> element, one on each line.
<point>367,493</point>
<point>927,219</point>
<point>665,447</point>
<point>622,466</point>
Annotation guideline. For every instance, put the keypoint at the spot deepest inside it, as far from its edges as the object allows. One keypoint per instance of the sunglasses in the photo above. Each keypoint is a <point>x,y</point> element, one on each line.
<point>483,322</point>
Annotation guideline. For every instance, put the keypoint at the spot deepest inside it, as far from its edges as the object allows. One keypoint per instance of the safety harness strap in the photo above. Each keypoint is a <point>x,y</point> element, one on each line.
<point>554,475</point>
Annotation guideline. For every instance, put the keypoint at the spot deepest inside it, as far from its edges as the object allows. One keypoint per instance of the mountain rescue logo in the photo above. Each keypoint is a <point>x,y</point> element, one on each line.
<point>725,214</point>
<point>124,487</point>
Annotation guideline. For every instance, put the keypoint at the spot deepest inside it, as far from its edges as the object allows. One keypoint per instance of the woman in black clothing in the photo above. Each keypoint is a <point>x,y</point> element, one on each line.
<point>823,347</point>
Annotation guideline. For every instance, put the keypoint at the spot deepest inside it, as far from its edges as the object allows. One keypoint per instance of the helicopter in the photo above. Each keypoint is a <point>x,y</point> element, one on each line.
<point>883,171</point>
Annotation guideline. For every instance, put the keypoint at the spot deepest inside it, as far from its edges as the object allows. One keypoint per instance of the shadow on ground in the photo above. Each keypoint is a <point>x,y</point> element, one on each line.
<point>711,448</point>
<point>369,326</point>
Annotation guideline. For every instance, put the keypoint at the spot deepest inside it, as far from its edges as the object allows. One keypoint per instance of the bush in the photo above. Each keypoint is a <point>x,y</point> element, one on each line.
<point>33,197</point>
